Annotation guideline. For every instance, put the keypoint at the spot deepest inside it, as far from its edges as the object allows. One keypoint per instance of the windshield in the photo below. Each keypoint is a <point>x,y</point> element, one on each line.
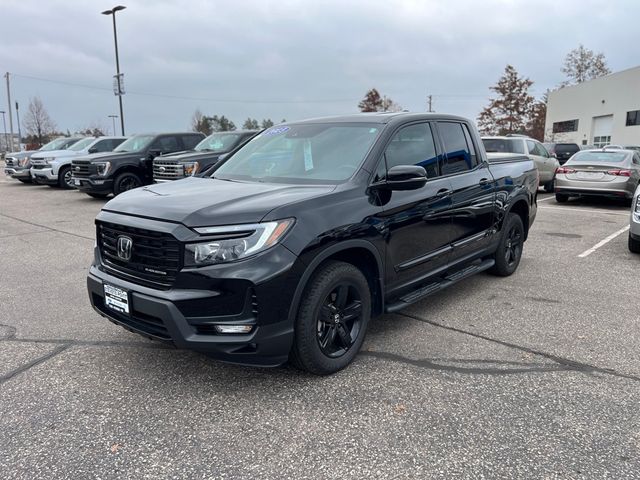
<point>311,153</point>
<point>82,144</point>
<point>135,144</point>
<point>503,145</point>
<point>600,156</point>
<point>219,142</point>
<point>58,144</point>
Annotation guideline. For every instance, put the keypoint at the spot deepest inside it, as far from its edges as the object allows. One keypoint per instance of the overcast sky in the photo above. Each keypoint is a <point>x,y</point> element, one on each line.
<point>292,59</point>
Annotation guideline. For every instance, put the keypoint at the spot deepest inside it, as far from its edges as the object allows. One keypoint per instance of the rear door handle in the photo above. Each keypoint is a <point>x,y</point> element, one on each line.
<point>484,181</point>
<point>443,192</point>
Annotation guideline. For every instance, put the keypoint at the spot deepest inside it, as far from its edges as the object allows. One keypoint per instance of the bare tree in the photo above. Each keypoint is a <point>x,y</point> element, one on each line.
<point>582,64</point>
<point>511,110</point>
<point>37,123</point>
<point>251,124</point>
<point>200,123</point>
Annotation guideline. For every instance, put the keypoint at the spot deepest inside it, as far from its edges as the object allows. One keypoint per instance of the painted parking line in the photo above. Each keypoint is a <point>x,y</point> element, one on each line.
<point>585,210</point>
<point>545,198</point>
<point>586,253</point>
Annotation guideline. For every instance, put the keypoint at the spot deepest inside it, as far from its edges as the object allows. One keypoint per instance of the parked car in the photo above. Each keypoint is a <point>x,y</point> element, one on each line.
<point>54,168</point>
<point>562,151</point>
<point>602,172</point>
<point>623,147</point>
<point>545,162</point>
<point>130,165</point>
<point>634,230</point>
<point>206,154</point>
<point>306,232</point>
<point>18,164</point>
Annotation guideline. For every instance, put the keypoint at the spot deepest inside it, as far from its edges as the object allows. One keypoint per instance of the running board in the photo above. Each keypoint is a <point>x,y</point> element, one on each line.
<point>431,288</point>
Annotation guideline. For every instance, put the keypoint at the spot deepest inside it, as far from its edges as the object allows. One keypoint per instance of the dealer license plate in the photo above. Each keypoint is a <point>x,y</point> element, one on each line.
<point>116,299</point>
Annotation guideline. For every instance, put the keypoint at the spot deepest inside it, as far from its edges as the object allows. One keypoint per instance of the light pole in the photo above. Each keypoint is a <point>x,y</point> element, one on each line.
<point>4,126</point>
<point>19,133</point>
<point>112,12</point>
<point>113,117</point>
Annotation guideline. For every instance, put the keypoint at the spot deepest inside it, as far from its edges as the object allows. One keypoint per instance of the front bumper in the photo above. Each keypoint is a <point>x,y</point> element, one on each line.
<point>17,172</point>
<point>93,185</point>
<point>185,315</point>
<point>44,176</point>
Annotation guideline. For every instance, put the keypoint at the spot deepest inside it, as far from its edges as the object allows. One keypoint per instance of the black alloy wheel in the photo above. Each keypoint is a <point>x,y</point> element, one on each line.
<point>509,252</point>
<point>513,245</point>
<point>339,320</point>
<point>126,181</point>
<point>332,319</point>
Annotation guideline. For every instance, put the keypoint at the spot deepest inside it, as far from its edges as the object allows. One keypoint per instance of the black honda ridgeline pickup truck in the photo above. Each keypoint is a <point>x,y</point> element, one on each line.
<point>308,231</point>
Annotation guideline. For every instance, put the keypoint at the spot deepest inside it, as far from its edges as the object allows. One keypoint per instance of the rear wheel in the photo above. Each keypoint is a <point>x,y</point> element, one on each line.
<point>332,319</point>
<point>65,179</point>
<point>126,181</point>
<point>634,245</point>
<point>509,251</point>
<point>562,198</point>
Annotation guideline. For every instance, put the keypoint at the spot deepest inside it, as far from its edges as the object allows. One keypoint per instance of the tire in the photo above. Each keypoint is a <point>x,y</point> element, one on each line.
<point>634,245</point>
<point>126,181</point>
<point>97,195</point>
<point>548,187</point>
<point>509,251</point>
<point>562,198</point>
<point>328,335</point>
<point>64,178</point>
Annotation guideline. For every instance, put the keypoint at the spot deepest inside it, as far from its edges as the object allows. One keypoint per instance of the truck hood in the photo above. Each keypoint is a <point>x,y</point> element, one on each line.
<point>111,156</point>
<point>198,202</point>
<point>56,154</point>
<point>21,154</point>
<point>191,156</point>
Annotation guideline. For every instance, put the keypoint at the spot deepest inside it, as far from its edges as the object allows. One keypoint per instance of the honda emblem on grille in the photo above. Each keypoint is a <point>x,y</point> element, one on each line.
<point>125,245</point>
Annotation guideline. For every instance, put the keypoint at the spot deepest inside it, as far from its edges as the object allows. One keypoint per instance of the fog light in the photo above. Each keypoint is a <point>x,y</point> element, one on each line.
<point>98,182</point>
<point>233,328</point>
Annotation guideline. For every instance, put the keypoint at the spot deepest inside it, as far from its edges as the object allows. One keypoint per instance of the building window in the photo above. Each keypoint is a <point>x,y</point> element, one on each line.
<point>633,118</point>
<point>601,141</point>
<point>566,126</point>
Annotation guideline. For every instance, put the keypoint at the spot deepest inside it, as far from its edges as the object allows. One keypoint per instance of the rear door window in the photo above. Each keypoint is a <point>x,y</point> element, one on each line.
<point>459,154</point>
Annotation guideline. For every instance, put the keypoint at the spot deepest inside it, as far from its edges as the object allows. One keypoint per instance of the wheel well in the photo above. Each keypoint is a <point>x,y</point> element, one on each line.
<point>129,169</point>
<point>522,209</point>
<point>366,262</point>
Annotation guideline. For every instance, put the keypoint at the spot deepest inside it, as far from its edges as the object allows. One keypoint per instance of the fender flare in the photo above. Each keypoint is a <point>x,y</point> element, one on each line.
<point>325,254</point>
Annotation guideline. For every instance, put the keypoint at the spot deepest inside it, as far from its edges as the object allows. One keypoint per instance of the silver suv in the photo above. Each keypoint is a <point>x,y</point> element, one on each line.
<point>545,162</point>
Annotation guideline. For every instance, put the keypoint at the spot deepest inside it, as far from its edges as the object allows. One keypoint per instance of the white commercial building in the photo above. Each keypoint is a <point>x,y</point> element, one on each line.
<point>598,112</point>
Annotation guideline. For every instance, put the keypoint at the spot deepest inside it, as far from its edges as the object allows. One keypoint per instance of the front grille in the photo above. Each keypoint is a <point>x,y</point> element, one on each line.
<point>155,256</point>
<point>39,164</point>
<point>80,168</point>
<point>167,170</point>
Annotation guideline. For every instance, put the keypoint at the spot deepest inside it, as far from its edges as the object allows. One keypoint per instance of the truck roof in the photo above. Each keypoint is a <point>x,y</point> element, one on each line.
<point>380,117</point>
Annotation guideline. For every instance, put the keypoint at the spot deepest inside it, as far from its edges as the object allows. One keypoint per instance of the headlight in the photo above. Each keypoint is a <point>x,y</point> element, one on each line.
<point>235,242</point>
<point>190,168</point>
<point>48,160</point>
<point>103,168</point>
<point>637,209</point>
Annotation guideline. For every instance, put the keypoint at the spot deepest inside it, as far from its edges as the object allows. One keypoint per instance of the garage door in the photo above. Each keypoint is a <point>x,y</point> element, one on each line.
<point>602,127</point>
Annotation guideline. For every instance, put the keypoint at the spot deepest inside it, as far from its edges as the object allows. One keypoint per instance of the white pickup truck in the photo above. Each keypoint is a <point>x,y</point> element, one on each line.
<point>54,167</point>
<point>545,162</point>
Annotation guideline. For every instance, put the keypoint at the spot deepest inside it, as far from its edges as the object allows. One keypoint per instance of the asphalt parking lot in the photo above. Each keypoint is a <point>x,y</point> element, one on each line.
<point>532,376</point>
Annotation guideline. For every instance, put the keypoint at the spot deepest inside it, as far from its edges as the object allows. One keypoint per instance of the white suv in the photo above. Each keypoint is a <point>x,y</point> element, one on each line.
<point>54,168</point>
<point>545,162</point>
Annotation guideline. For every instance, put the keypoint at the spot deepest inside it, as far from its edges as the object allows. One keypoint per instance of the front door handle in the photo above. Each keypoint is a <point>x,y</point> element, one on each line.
<point>484,181</point>
<point>443,192</point>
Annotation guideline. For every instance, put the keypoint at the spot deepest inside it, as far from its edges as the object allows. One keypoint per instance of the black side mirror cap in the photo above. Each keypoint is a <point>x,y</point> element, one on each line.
<point>404,177</point>
<point>93,150</point>
<point>155,153</point>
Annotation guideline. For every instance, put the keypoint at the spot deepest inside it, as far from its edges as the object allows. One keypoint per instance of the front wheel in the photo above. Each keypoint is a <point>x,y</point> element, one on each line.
<point>126,181</point>
<point>509,252</point>
<point>332,319</point>
<point>634,245</point>
<point>65,179</point>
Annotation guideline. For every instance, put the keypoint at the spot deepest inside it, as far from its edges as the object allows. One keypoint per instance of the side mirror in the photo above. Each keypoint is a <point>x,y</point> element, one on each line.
<point>155,153</point>
<point>93,150</point>
<point>405,177</point>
